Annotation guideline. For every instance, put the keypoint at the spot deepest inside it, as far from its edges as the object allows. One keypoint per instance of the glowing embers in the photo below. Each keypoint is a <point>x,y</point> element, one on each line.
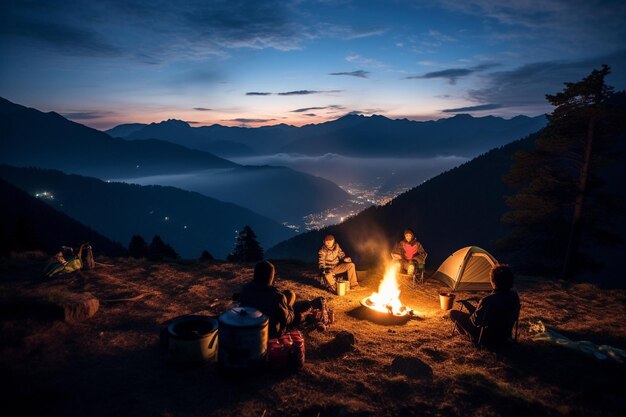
<point>385,305</point>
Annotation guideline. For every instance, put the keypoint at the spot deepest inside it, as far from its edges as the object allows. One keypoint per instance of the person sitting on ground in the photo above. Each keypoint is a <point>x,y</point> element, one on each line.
<point>409,253</point>
<point>261,294</point>
<point>499,310</point>
<point>332,261</point>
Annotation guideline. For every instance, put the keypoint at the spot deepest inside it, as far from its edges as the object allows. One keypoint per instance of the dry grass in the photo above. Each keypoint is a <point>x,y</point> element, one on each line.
<point>112,364</point>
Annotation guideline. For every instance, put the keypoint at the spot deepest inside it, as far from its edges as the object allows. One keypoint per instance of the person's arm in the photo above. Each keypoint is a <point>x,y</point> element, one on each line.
<point>396,253</point>
<point>478,317</point>
<point>285,312</point>
<point>421,253</point>
<point>321,259</point>
<point>340,253</point>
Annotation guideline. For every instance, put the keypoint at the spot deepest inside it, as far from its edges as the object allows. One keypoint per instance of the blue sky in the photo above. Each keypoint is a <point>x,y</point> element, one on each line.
<point>102,63</point>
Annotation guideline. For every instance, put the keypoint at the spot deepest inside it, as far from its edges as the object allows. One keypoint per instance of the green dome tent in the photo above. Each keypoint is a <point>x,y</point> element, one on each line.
<point>467,269</point>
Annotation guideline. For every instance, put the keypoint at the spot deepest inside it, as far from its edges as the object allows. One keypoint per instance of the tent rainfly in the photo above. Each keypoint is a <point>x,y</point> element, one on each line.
<point>467,269</point>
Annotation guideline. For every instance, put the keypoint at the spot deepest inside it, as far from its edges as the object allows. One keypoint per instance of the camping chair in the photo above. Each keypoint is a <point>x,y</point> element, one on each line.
<point>486,328</point>
<point>421,269</point>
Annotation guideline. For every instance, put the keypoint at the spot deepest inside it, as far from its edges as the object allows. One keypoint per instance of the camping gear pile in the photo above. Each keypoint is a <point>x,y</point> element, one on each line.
<point>65,261</point>
<point>237,340</point>
<point>318,317</point>
<point>286,352</point>
<point>604,353</point>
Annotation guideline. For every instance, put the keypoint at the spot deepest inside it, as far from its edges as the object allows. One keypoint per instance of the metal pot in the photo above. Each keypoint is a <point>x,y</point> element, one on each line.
<point>243,338</point>
<point>193,339</point>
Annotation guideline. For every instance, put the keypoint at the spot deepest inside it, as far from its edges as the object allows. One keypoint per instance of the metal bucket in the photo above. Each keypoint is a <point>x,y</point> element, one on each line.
<point>342,288</point>
<point>193,340</point>
<point>243,338</point>
<point>446,300</point>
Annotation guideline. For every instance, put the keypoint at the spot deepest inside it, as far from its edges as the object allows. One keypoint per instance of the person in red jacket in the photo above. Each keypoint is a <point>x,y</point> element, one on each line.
<point>409,253</point>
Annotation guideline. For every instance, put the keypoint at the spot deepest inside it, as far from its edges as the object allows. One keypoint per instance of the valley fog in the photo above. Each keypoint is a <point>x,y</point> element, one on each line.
<point>369,181</point>
<point>377,179</point>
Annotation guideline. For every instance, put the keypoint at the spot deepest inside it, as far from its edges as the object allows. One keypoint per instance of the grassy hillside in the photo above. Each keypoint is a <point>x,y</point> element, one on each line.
<point>112,364</point>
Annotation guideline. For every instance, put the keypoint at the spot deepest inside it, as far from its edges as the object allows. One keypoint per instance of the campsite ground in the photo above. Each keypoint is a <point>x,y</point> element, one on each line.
<point>112,364</point>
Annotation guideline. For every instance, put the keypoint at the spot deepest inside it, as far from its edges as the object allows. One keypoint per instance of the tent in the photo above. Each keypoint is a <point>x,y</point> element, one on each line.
<point>467,269</point>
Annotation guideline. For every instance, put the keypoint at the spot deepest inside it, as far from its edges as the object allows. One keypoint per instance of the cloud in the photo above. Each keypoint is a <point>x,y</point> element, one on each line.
<point>257,93</point>
<point>243,120</point>
<point>305,109</point>
<point>310,114</point>
<point>579,24</point>
<point>473,108</point>
<point>307,92</point>
<point>347,32</point>
<point>452,74</point>
<point>66,37</point>
<point>370,62</point>
<point>357,73</point>
<point>527,85</point>
<point>202,109</point>
<point>86,115</point>
<point>156,31</point>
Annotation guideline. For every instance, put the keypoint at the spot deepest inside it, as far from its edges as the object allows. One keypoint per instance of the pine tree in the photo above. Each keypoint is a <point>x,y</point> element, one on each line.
<point>159,250</point>
<point>206,256</point>
<point>560,202</point>
<point>247,248</point>
<point>138,248</point>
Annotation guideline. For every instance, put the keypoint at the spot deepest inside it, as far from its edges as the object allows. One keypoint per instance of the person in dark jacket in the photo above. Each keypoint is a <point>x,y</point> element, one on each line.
<point>262,295</point>
<point>498,310</point>
<point>409,253</point>
<point>332,261</point>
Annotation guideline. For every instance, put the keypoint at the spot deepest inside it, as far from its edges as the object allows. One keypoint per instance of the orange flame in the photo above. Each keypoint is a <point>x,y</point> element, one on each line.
<point>387,299</point>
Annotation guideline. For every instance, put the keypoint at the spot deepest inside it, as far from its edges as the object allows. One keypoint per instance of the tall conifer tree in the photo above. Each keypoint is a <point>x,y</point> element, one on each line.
<point>560,203</point>
<point>247,247</point>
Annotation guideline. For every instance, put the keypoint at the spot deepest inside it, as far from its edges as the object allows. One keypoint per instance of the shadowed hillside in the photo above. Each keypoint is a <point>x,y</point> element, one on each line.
<point>461,207</point>
<point>30,224</point>
<point>48,140</point>
<point>190,222</point>
<point>31,138</point>
<point>458,208</point>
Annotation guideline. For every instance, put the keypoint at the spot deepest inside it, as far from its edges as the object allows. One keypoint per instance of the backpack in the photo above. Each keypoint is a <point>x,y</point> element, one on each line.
<point>320,315</point>
<point>61,264</point>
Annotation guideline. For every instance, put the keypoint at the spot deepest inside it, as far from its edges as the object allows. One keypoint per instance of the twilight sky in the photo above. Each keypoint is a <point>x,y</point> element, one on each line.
<point>251,63</point>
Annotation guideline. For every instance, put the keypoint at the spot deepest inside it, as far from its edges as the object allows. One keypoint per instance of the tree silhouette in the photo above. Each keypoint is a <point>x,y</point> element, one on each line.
<point>560,202</point>
<point>206,256</point>
<point>159,250</point>
<point>247,248</point>
<point>138,248</point>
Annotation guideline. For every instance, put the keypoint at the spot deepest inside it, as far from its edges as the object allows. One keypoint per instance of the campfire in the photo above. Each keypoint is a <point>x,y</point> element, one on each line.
<point>385,304</point>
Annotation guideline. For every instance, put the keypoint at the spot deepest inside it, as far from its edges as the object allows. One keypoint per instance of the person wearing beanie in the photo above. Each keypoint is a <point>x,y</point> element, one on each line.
<point>332,261</point>
<point>261,294</point>
<point>409,253</point>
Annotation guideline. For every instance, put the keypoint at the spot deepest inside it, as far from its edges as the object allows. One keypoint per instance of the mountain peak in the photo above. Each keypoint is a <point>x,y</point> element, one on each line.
<point>172,123</point>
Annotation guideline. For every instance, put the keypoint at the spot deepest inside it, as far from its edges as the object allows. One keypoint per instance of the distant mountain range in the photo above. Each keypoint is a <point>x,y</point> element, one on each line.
<point>351,135</point>
<point>189,221</point>
<point>31,138</point>
<point>48,140</point>
<point>28,223</point>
